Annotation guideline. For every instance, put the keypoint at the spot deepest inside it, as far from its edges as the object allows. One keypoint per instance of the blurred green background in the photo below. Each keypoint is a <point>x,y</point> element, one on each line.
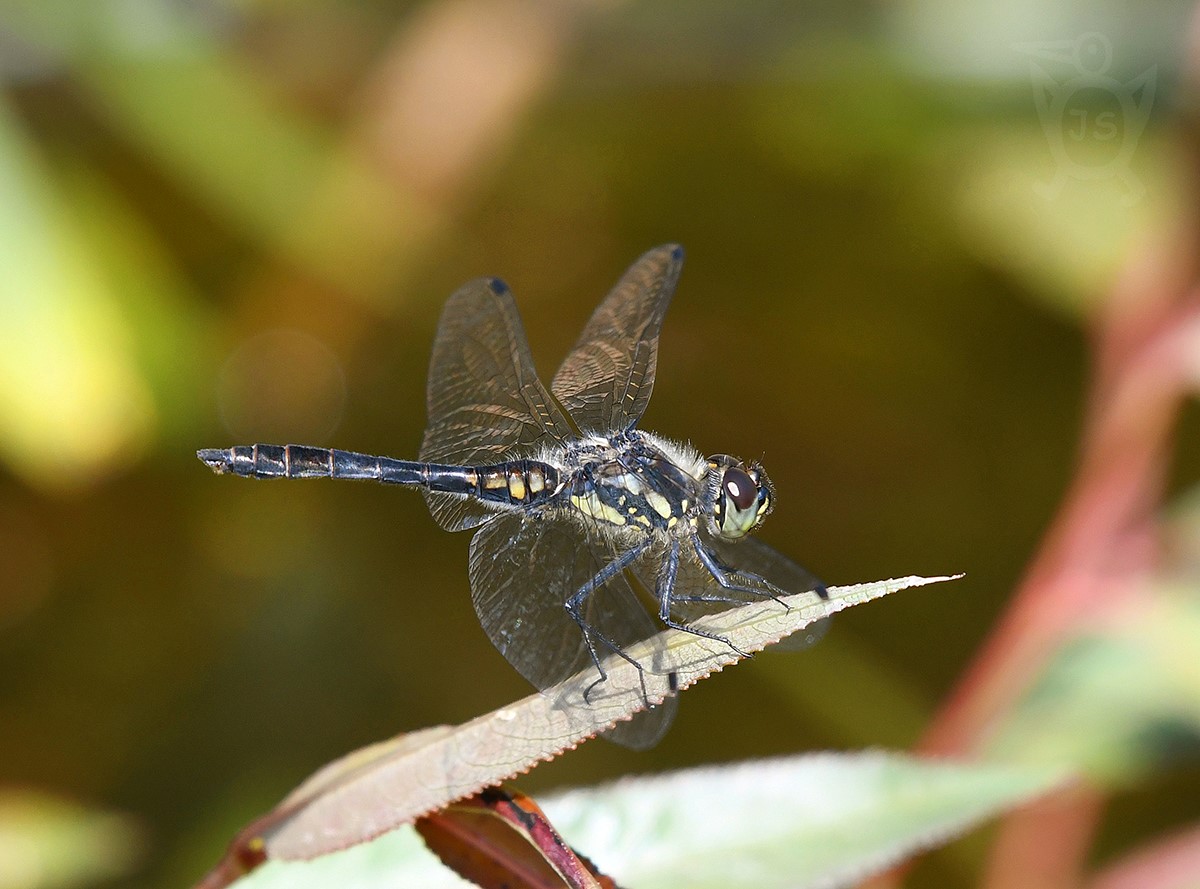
<point>228,221</point>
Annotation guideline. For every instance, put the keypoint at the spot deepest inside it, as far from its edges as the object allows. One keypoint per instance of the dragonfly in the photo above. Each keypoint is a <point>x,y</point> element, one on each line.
<point>579,517</point>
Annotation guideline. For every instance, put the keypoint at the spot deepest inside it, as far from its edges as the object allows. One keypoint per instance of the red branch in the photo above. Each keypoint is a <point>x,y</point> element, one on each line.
<point>1167,864</point>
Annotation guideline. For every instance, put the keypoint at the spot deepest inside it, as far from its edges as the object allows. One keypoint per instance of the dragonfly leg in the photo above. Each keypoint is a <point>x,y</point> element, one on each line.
<point>727,577</point>
<point>666,596</point>
<point>591,635</point>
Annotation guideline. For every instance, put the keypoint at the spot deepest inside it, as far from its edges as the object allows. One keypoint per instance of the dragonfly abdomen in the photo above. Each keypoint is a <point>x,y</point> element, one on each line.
<point>516,483</point>
<point>302,461</point>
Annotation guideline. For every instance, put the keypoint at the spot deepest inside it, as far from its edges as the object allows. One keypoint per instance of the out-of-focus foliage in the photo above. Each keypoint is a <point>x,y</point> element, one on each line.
<point>72,399</point>
<point>225,221</point>
<point>1122,698</point>
<point>1118,700</point>
<point>50,842</point>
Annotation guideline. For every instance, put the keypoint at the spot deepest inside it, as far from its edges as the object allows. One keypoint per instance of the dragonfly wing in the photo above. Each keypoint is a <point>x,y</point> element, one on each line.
<point>485,401</point>
<point>606,380</point>
<point>523,569</point>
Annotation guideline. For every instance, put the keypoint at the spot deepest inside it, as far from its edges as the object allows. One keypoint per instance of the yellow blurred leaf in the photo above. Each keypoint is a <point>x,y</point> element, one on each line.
<point>48,842</point>
<point>1065,236</point>
<point>71,401</point>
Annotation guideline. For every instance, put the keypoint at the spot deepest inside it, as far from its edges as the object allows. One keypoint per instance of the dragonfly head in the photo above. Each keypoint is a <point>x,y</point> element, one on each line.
<point>742,497</point>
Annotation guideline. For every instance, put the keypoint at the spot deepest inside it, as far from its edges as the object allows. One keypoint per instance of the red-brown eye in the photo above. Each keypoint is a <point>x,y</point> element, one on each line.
<point>740,488</point>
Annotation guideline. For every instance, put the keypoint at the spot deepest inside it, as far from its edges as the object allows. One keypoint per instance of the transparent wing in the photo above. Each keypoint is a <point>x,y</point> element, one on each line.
<point>606,380</point>
<point>523,570</point>
<point>484,399</point>
<point>749,561</point>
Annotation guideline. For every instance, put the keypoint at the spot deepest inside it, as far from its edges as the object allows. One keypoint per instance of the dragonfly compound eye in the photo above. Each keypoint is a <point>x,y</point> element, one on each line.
<point>740,488</point>
<point>741,506</point>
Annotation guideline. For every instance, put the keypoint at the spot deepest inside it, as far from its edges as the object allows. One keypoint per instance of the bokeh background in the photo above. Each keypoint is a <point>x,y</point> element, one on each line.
<point>227,221</point>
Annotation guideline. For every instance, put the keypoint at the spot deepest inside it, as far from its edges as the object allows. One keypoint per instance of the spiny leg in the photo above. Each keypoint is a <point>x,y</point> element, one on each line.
<point>725,578</point>
<point>574,606</point>
<point>666,596</point>
<point>722,576</point>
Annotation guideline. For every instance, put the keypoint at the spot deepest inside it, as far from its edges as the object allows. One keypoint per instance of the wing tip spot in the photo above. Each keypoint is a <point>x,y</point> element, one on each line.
<point>497,286</point>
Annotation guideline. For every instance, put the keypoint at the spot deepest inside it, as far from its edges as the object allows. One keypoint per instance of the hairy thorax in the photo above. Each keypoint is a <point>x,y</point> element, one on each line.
<point>635,481</point>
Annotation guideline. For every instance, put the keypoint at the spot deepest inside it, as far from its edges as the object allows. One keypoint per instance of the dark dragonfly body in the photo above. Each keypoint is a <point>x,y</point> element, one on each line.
<point>579,514</point>
<point>518,482</point>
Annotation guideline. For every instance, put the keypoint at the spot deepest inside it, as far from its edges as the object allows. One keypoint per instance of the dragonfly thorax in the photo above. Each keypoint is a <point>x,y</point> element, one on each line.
<point>635,481</point>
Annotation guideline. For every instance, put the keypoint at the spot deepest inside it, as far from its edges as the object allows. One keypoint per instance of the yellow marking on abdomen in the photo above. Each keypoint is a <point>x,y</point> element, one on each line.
<point>516,485</point>
<point>537,481</point>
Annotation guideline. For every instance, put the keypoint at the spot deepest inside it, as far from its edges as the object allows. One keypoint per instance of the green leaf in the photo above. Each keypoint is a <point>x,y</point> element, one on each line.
<point>396,859</point>
<point>800,821</point>
<point>815,820</point>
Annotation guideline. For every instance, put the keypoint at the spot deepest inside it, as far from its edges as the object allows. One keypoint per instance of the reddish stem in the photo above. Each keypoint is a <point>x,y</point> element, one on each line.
<point>1042,847</point>
<point>1170,863</point>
